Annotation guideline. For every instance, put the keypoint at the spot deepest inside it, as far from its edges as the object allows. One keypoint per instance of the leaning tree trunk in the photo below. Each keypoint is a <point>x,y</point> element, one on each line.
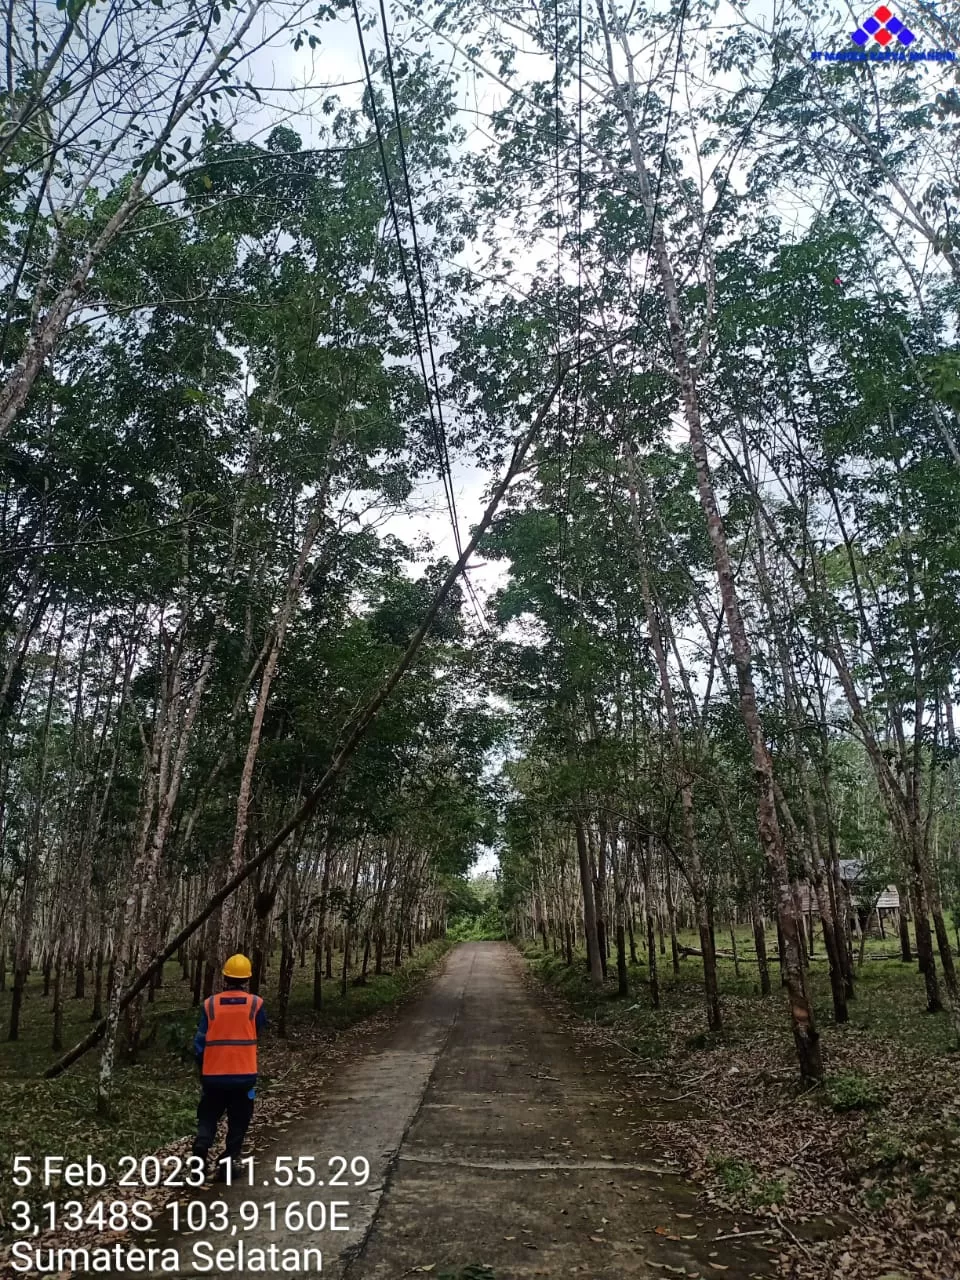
<point>352,737</point>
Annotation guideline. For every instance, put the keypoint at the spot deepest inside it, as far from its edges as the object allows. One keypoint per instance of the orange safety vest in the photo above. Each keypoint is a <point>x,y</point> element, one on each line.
<point>231,1044</point>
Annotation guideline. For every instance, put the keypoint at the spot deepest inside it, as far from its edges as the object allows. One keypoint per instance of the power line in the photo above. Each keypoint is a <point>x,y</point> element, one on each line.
<point>440,435</point>
<point>418,261</point>
<point>436,427</point>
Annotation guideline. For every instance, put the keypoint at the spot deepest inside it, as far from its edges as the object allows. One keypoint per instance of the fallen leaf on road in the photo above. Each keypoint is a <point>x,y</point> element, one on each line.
<point>662,1231</point>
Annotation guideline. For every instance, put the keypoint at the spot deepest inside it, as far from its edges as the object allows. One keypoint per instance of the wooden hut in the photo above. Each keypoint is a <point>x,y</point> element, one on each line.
<point>874,909</point>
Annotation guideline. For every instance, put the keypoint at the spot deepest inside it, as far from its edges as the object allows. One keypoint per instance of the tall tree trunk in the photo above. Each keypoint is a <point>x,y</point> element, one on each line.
<point>264,900</point>
<point>589,906</point>
<point>813,870</point>
<point>288,957</point>
<point>97,1011</point>
<point>196,979</point>
<point>328,848</point>
<point>619,909</point>
<point>165,768</point>
<point>349,922</point>
<point>694,873</point>
<point>31,873</point>
<point>806,1037</point>
<point>653,979</point>
<point>760,943</point>
<point>79,967</point>
<point>733,948</point>
<point>903,925</point>
<point>228,920</point>
<point>58,985</point>
<point>674,944</point>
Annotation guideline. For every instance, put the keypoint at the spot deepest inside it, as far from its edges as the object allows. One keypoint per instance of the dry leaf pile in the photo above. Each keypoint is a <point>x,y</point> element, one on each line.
<point>869,1193</point>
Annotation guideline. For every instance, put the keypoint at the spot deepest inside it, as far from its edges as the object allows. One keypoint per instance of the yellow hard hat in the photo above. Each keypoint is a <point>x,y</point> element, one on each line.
<point>238,966</point>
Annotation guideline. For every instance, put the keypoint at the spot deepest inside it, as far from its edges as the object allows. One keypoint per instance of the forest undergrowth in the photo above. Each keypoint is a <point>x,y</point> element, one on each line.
<point>155,1100</point>
<point>858,1179</point>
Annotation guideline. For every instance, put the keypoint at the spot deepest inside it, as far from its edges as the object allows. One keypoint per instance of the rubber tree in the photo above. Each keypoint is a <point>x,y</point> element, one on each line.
<point>806,1036</point>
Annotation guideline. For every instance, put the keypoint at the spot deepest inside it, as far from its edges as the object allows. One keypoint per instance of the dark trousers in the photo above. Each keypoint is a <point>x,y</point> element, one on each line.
<point>235,1100</point>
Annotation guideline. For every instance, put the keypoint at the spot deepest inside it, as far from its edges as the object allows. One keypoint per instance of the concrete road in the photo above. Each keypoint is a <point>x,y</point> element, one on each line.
<point>493,1140</point>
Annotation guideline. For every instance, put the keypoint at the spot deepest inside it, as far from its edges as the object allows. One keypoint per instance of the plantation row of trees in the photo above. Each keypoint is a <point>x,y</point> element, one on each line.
<point>730,631</point>
<point>198,594</point>
<point>711,285</point>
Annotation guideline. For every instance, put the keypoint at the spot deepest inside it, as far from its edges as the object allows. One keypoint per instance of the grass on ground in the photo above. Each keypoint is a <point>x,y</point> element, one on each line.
<point>889,1001</point>
<point>155,1099</point>
<point>877,1148</point>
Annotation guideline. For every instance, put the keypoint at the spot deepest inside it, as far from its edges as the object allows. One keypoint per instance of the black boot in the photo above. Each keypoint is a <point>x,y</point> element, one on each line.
<point>205,1157</point>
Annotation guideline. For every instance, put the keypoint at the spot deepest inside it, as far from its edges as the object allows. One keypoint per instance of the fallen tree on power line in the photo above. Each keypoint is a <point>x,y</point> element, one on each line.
<point>353,737</point>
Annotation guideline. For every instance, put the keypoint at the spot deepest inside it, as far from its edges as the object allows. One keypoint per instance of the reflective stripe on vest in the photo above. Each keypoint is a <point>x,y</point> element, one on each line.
<point>231,1044</point>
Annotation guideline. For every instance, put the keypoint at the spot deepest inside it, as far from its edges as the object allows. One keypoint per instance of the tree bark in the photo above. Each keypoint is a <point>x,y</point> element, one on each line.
<point>351,737</point>
<point>589,906</point>
<point>760,943</point>
<point>805,1034</point>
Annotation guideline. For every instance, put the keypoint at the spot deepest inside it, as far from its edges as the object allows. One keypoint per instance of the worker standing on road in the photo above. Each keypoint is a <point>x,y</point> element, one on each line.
<point>226,1051</point>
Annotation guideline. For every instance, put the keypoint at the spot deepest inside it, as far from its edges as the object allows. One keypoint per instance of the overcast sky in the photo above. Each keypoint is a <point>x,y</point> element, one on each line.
<point>336,66</point>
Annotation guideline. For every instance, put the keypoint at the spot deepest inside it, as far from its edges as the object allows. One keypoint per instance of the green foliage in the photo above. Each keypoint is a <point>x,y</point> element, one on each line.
<point>736,1176</point>
<point>883,1149</point>
<point>485,928</point>
<point>174,1032</point>
<point>943,374</point>
<point>475,911</point>
<point>154,1102</point>
<point>922,1187</point>
<point>767,1194</point>
<point>876,1198</point>
<point>853,1093</point>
